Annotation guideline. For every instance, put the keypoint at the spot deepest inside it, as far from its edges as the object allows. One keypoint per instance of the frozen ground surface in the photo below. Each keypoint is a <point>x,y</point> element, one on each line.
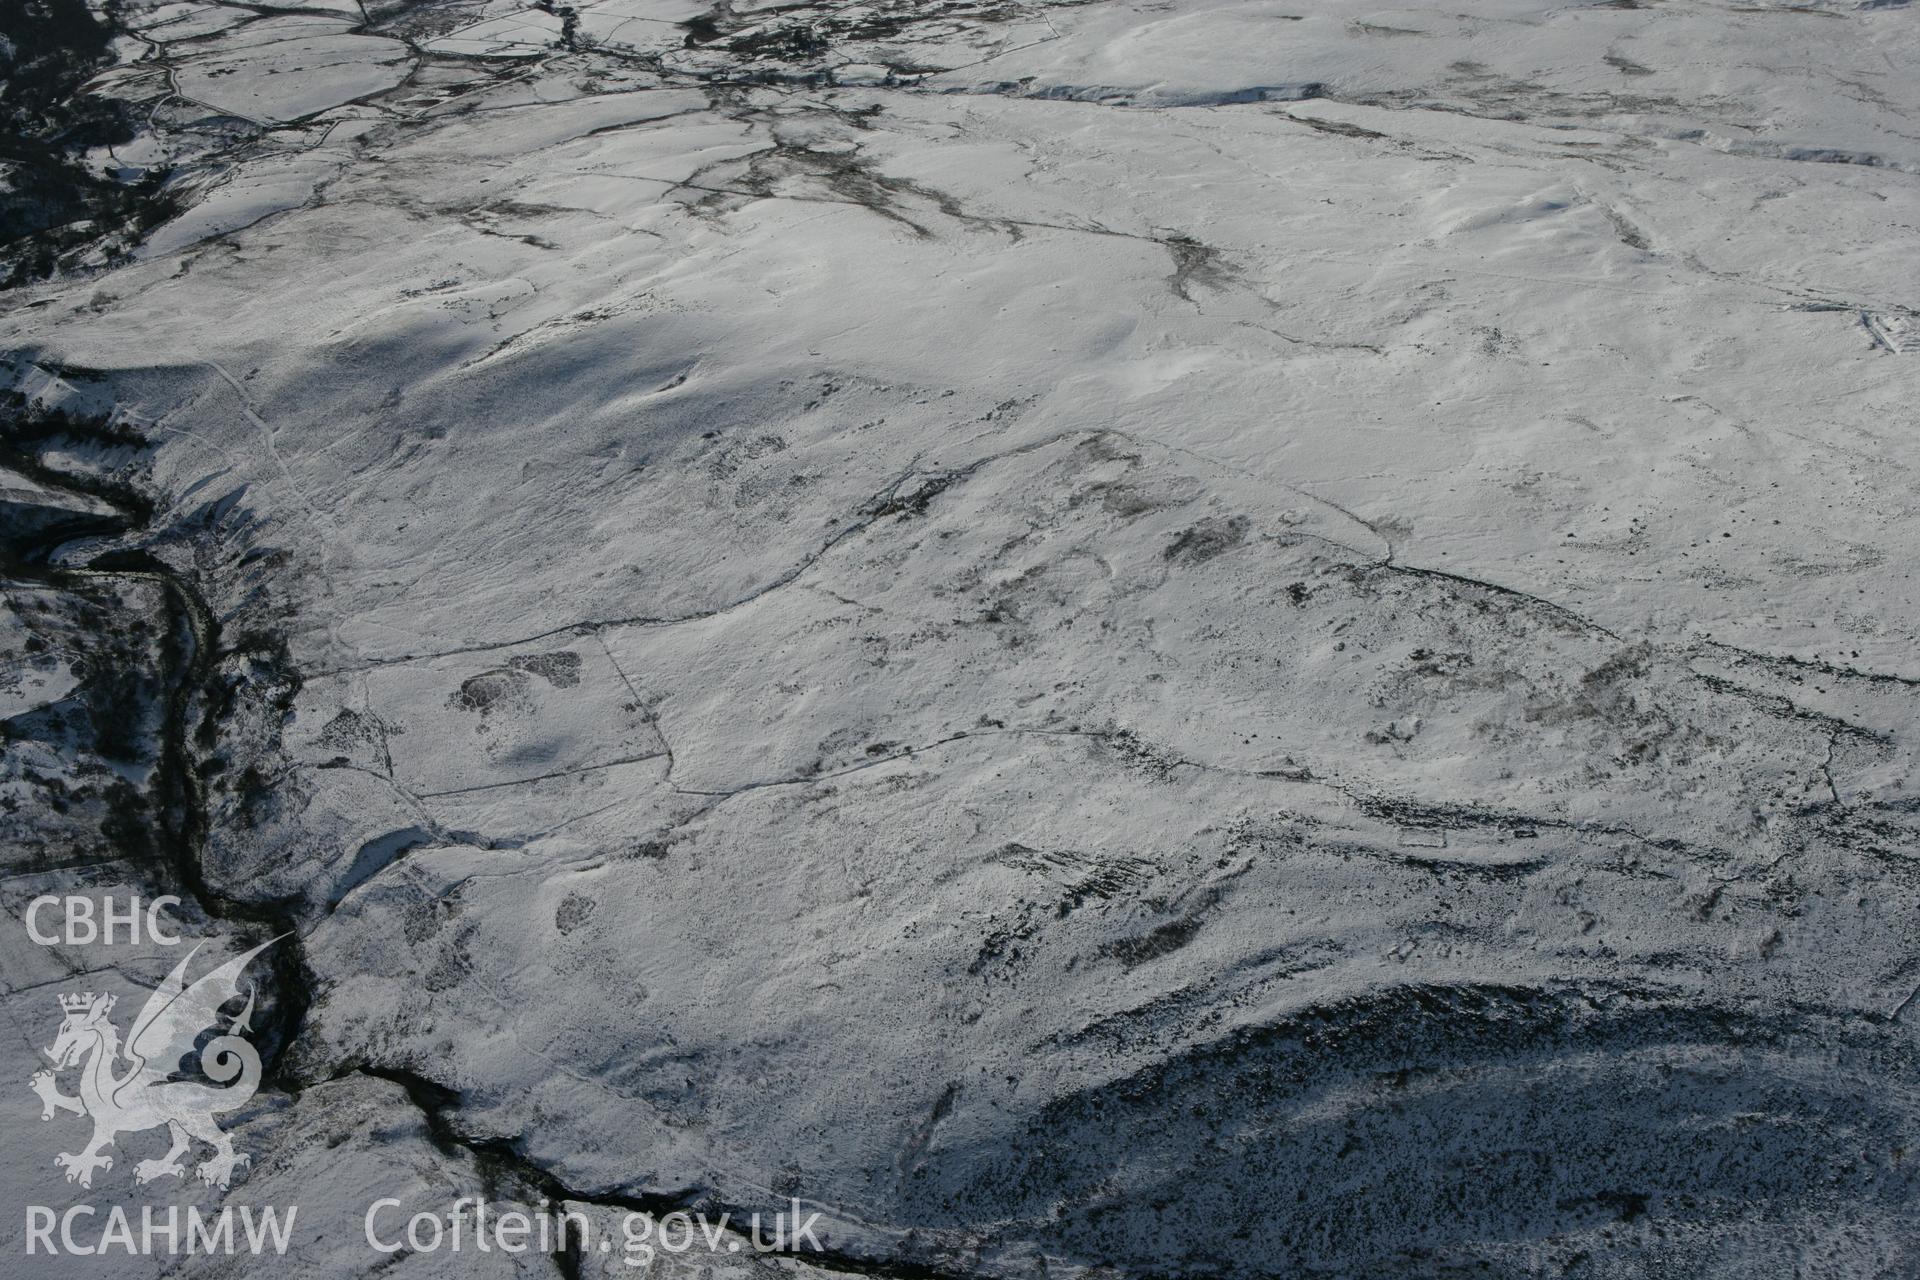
<point>1192,638</point>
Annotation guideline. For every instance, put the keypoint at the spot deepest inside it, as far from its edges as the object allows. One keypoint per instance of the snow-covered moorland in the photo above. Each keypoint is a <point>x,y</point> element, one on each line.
<point>1198,637</point>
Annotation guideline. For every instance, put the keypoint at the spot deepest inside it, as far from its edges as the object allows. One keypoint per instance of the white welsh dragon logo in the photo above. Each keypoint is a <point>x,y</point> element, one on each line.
<point>148,1093</point>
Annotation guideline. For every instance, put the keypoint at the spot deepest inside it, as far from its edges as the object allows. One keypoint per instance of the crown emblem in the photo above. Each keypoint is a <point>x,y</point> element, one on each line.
<point>82,1001</point>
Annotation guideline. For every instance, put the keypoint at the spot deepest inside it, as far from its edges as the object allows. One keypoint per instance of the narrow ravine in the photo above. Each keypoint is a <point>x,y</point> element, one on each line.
<point>60,558</point>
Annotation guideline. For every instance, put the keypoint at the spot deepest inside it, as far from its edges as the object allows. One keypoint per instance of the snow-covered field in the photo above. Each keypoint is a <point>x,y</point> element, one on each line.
<point>1208,637</point>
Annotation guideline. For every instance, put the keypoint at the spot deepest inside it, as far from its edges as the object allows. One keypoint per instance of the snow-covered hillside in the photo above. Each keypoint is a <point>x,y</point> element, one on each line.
<point>1208,637</point>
